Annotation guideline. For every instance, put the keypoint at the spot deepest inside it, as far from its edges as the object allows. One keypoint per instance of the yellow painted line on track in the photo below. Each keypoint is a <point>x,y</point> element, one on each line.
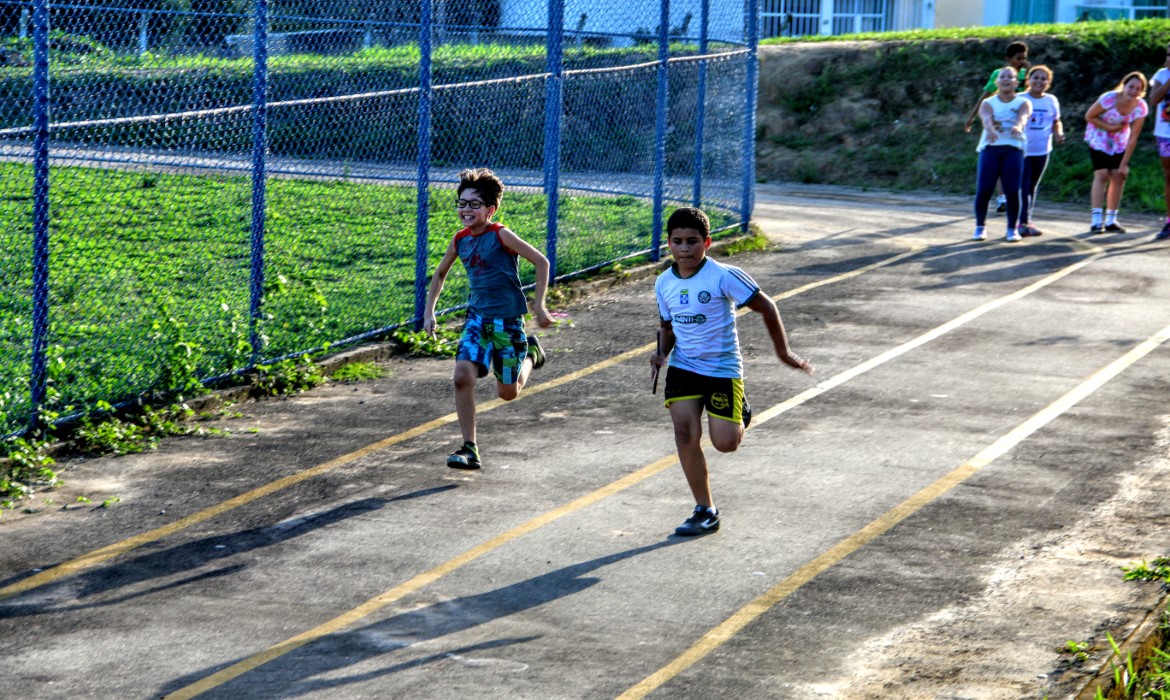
<point>750,612</point>
<point>397,593</point>
<point>108,552</point>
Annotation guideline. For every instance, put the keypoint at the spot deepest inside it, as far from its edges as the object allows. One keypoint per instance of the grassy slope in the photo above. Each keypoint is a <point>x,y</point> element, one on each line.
<point>887,110</point>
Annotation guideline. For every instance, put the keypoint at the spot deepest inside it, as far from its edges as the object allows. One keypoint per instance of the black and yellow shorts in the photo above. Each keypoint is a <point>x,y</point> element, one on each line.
<point>721,396</point>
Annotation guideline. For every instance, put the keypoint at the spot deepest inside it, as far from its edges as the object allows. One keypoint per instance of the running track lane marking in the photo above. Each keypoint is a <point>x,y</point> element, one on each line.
<point>748,613</point>
<point>398,592</point>
<point>108,552</point>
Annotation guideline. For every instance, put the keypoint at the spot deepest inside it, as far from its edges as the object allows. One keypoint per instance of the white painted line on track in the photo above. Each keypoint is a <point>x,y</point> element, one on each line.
<point>762,604</point>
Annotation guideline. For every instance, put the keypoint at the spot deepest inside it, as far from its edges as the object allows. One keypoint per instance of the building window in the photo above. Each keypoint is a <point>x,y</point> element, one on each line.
<point>1033,11</point>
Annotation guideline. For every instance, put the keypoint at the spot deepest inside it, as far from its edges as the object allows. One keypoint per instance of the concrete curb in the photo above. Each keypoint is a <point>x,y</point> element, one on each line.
<point>1151,633</point>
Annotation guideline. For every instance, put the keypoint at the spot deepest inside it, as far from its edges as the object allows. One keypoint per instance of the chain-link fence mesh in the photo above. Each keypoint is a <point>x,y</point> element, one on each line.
<point>210,184</point>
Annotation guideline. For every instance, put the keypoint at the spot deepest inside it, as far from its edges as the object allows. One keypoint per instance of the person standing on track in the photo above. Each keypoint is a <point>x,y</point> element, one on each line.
<point>493,334</point>
<point>697,298</point>
<point>1001,152</point>
<point>1159,87</point>
<point>1043,128</point>
<point>1016,55</point>
<point>1112,127</point>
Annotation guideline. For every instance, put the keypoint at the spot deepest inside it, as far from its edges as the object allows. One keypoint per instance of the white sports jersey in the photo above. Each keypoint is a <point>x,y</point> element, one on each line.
<point>701,310</point>
<point>1162,111</point>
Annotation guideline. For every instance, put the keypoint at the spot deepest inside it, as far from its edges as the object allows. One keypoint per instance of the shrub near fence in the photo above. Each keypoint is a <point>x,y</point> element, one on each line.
<point>186,194</point>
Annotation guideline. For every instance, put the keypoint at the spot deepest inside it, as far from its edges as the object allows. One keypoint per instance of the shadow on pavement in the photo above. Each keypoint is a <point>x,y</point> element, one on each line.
<point>299,672</point>
<point>185,557</point>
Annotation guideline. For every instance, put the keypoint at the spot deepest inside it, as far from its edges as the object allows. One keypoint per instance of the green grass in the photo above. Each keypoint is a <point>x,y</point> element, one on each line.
<point>149,272</point>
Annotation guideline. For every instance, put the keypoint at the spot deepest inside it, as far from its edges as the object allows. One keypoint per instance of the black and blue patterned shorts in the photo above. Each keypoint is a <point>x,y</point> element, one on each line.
<point>499,343</point>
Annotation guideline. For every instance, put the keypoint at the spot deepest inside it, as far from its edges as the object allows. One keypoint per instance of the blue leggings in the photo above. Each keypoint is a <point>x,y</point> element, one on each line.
<point>1006,164</point>
<point>1034,167</point>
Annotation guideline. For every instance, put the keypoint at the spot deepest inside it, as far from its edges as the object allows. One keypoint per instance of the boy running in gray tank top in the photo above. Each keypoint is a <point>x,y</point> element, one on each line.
<point>493,334</point>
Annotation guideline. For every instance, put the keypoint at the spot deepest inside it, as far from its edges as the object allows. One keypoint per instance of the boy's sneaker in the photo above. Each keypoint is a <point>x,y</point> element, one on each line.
<point>536,352</point>
<point>1164,233</point>
<point>1013,236</point>
<point>1001,204</point>
<point>747,413</point>
<point>466,457</point>
<point>1097,228</point>
<point>701,522</point>
<point>1114,228</point>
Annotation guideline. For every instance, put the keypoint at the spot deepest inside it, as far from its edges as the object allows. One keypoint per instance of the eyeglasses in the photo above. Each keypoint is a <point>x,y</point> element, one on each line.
<point>468,204</point>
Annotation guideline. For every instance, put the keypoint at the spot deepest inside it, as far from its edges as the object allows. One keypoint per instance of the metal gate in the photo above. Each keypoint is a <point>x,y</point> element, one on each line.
<point>804,17</point>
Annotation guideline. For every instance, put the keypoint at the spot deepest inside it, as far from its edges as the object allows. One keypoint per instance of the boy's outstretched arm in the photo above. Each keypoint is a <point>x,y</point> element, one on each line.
<point>534,256</point>
<point>436,287</point>
<point>763,305</point>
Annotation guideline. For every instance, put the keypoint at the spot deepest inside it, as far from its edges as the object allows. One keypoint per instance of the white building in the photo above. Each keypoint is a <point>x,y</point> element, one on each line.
<point>802,17</point>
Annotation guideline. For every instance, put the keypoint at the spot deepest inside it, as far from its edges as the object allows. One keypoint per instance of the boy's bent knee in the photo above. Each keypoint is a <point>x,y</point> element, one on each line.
<point>508,392</point>
<point>726,444</point>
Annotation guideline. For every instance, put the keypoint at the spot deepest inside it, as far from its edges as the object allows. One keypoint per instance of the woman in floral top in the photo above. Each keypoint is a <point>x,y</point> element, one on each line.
<point>1112,127</point>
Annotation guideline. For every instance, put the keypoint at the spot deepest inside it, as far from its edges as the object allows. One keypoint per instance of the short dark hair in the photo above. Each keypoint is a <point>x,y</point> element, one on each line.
<point>689,217</point>
<point>1014,48</point>
<point>484,181</point>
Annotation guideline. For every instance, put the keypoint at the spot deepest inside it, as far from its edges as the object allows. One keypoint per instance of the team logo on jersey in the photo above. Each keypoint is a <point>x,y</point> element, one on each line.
<point>690,318</point>
<point>704,297</point>
<point>684,296</point>
<point>719,401</point>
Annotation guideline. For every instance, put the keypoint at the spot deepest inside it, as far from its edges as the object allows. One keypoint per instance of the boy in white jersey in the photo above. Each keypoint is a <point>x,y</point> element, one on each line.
<point>697,299</point>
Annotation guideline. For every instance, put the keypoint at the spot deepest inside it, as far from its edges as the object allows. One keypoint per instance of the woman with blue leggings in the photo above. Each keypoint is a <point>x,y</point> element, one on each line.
<point>1001,152</point>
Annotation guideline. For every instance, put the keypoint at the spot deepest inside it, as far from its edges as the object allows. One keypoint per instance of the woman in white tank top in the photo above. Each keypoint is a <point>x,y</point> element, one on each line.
<point>1001,152</point>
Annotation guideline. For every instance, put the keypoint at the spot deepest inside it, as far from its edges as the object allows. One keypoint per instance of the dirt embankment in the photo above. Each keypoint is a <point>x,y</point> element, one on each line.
<point>891,114</point>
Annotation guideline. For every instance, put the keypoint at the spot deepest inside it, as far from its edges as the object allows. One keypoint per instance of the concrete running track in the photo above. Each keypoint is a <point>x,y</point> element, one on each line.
<point>932,515</point>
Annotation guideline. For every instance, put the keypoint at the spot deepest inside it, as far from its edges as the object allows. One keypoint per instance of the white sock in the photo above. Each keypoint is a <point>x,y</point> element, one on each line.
<point>1097,216</point>
<point>1110,217</point>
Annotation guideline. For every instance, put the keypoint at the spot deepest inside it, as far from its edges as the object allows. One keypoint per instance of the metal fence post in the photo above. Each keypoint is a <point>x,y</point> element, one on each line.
<point>40,339</point>
<point>749,114</point>
<point>24,20</point>
<point>553,106</point>
<point>259,170</point>
<point>421,234</point>
<point>660,128</point>
<point>143,33</point>
<point>701,107</point>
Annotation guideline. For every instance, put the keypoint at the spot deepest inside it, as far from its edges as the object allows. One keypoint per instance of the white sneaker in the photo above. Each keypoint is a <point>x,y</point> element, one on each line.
<point>979,235</point>
<point>1013,236</point>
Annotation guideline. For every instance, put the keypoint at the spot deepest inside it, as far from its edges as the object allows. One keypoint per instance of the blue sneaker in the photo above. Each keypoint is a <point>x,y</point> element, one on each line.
<point>702,522</point>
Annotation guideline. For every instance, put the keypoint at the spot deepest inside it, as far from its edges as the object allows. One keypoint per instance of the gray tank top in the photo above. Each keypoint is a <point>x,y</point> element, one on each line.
<point>493,272</point>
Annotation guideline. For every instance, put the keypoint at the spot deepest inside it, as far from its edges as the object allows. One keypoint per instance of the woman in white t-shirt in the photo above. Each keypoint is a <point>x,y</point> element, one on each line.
<point>1043,128</point>
<point>1001,152</point>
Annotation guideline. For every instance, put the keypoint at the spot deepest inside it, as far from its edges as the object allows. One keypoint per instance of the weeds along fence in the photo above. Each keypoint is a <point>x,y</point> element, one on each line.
<point>191,188</point>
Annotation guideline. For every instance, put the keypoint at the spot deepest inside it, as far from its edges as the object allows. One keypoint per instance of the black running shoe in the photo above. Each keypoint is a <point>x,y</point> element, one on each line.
<point>1114,228</point>
<point>1097,228</point>
<point>466,457</point>
<point>703,521</point>
<point>747,413</point>
<point>536,351</point>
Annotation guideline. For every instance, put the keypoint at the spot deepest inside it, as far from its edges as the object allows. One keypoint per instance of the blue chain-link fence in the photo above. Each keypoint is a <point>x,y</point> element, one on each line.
<point>192,187</point>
